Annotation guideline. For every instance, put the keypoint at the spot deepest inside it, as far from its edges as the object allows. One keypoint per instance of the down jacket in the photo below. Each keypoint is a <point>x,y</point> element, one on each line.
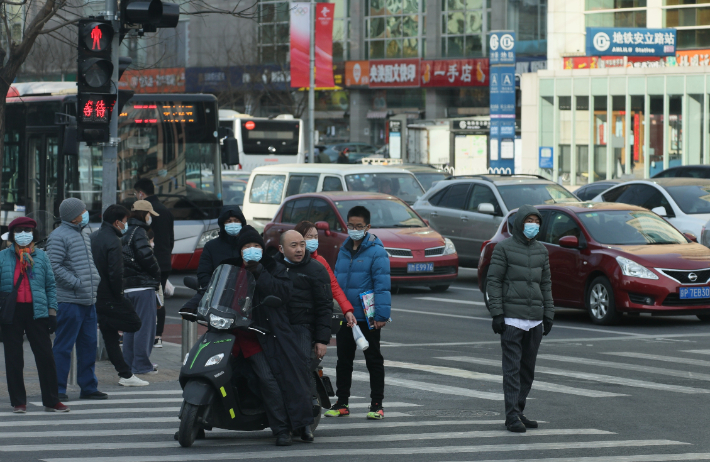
<point>108,257</point>
<point>144,270</point>
<point>42,285</point>
<point>338,293</point>
<point>368,269</point>
<point>311,301</point>
<point>518,284</point>
<point>77,279</point>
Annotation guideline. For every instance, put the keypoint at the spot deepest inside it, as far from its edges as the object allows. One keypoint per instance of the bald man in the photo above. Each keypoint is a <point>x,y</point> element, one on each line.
<point>311,306</point>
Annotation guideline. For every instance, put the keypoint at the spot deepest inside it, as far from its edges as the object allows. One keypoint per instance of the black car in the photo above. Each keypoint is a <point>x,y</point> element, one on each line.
<point>686,171</point>
<point>591,190</point>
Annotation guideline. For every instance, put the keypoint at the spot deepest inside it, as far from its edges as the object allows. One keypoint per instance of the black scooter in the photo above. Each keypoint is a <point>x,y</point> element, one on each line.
<point>216,387</point>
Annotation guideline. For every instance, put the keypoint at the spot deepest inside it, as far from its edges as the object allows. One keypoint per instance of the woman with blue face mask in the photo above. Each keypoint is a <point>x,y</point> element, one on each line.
<point>224,245</point>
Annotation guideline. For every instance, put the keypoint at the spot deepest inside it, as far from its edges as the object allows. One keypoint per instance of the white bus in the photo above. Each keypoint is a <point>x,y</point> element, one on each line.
<point>264,141</point>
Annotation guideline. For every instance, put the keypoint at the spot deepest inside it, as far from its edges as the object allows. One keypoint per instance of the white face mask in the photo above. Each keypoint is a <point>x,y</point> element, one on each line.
<point>149,220</point>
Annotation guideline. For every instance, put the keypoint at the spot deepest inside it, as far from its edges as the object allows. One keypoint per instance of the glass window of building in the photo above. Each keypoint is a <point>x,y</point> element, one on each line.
<point>464,27</point>
<point>393,28</point>
<point>692,17</point>
<point>529,21</point>
<point>341,29</point>
<point>615,13</point>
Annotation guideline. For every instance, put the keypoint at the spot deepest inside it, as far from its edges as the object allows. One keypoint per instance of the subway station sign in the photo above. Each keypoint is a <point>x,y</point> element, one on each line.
<point>607,41</point>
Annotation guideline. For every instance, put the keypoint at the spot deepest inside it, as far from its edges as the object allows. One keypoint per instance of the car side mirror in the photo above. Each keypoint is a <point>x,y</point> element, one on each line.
<point>691,237</point>
<point>569,242</point>
<point>426,221</point>
<point>191,282</point>
<point>486,208</point>
<point>323,226</point>
<point>272,301</point>
<point>230,151</point>
<point>660,211</point>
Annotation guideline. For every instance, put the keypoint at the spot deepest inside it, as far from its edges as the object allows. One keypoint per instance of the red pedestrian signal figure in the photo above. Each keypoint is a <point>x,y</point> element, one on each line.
<point>96,36</point>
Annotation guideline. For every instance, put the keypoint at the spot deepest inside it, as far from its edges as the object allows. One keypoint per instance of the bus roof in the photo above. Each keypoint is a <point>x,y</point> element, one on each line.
<point>346,169</point>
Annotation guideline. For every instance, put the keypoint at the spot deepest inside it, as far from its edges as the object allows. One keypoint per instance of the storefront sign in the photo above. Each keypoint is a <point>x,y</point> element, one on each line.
<point>170,80</point>
<point>630,41</point>
<point>470,124</point>
<point>454,73</point>
<point>593,62</point>
<point>324,44</point>
<point>394,73</point>
<point>690,58</point>
<point>357,73</point>
<point>300,44</point>
<point>502,47</point>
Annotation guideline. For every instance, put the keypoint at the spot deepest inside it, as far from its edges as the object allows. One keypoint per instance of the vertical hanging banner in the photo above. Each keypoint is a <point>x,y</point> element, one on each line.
<point>301,44</point>
<point>324,45</point>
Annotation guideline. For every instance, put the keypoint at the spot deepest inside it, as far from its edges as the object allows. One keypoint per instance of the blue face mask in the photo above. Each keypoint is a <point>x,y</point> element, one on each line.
<point>531,230</point>
<point>85,218</point>
<point>233,228</point>
<point>312,245</point>
<point>356,234</point>
<point>23,239</point>
<point>252,254</point>
<point>125,228</point>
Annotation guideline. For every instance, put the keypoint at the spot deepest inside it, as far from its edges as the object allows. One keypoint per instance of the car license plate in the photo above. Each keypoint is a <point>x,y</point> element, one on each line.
<point>694,292</point>
<point>423,268</point>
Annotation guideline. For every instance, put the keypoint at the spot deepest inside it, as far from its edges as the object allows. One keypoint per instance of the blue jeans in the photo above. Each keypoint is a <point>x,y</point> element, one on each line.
<point>137,346</point>
<point>76,324</point>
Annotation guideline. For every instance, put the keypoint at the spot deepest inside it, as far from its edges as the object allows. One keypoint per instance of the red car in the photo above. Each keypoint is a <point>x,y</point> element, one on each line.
<point>612,259</point>
<point>419,256</point>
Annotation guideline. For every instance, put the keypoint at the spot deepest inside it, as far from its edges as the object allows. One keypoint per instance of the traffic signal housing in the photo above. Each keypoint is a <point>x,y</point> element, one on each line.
<point>148,15</point>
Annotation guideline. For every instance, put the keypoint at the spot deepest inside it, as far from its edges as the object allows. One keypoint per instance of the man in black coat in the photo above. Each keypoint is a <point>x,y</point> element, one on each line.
<point>163,229</point>
<point>114,311</point>
<point>311,306</point>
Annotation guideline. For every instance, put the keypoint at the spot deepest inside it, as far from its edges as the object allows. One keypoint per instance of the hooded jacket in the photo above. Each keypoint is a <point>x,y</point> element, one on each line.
<point>311,301</point>
<point>106,249</point>
<point>518,284</point>
<point>143,270</point>
<point>368,269</point>
<point>223,247</point>
<point>76,276</point>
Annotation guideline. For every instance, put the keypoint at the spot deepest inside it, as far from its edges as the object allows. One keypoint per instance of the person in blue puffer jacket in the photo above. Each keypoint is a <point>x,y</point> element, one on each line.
<point>363,266</point>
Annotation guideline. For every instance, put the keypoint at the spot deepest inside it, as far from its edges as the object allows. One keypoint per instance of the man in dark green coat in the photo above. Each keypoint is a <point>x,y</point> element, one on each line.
<point>519,293</point>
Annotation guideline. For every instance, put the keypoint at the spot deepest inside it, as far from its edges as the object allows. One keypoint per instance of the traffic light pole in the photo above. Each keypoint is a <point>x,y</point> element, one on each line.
<point>110,149</point>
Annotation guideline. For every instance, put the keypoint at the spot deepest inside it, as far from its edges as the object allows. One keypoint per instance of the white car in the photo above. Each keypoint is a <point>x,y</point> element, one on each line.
<point>684,202</point>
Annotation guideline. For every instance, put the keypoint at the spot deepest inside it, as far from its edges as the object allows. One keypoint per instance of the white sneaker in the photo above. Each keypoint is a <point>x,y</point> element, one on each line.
<point>158,342</point>
<point>133,381</point>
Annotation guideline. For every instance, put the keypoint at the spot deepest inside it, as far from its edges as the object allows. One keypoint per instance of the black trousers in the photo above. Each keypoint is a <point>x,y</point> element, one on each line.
<point>519,354</point>
<point>373,359</point>
<point>271,394</point>
<point>113,348</point>
<point>37,331</point>
<point>161,312</point>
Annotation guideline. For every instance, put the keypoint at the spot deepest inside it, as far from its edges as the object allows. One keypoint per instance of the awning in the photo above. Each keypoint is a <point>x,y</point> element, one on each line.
<point>377,114</point>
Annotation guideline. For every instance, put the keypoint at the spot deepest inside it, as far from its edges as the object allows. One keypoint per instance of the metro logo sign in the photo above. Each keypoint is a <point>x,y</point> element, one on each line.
<point>394,73</point>
<point>630,41</point>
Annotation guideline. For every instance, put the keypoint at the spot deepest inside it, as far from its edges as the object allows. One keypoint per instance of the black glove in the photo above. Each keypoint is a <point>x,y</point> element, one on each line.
<point>52,324</point>
<point>498,324</point>
<point>546,326</point>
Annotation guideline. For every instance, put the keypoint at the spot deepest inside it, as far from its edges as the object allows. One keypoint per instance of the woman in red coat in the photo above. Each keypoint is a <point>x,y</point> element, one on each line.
<point>310,233</point>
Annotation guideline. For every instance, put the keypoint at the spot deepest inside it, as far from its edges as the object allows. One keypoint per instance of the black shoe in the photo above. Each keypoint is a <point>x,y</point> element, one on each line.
<point>515,426</point>
<point>527,422</point>
<point>95,395</point>
<point>284,439</point>
<point>200,434</point>
<point>307,435</point>
<point>63,397</point>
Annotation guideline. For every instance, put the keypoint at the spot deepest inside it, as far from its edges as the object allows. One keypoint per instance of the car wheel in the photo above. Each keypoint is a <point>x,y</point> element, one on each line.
<point>600,302</point>
<point>704,317</point>
<point>442,288</point>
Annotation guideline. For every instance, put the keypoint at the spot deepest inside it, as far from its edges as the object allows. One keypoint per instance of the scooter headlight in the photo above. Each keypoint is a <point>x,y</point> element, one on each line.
<point>214,360</point>
<point>220,323</point>
<point>184,361</point>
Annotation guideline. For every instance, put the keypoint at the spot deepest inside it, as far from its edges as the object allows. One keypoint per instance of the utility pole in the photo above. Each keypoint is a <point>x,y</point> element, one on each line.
<point>312,85</point>
<point>110,149</point>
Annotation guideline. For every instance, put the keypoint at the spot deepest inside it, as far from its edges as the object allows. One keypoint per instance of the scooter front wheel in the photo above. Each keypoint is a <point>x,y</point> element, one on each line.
<point>189,426</point>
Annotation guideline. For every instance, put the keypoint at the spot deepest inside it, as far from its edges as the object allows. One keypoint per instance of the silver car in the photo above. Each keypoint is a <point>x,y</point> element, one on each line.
<point>468,210</point>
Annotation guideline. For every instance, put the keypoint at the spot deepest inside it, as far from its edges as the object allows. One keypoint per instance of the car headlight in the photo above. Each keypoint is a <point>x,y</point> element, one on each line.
<point>206,237</point>
<point>220,323</point>
<point>214,360</point>
<point>633,269</point>
<point>184,361</point>
<point>450,248</point>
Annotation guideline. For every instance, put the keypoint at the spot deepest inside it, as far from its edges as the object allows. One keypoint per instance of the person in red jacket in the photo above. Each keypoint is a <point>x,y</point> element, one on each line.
<point>309,231</point>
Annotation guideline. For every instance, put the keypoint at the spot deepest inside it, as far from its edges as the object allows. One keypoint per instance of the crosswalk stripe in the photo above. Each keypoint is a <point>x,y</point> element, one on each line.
<point>70,422</point>
<point>454,372</point>
<point>637,458</point>
<point>140,391</point>
<point>700,352</point>
<point>668,359</point>
<point>116,410</point>
<point>425,386</point>
<point>587,376</point>
<point>111,402</point>
<point>363,451</point>
<point>450,300</point>
<point>628,367</point>
<point>321,439</point>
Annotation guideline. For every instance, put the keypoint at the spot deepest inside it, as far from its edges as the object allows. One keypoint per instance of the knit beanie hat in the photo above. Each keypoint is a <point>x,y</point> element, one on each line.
<point>71,208</point>
<point>248,235</point>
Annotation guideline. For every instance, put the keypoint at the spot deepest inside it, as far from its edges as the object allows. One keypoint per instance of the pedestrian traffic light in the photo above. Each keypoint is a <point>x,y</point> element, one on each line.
<point>95,66</point>
<point>148,15</point>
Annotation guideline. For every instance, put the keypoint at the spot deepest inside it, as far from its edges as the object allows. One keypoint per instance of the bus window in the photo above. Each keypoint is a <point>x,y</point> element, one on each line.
<point>267,189</point>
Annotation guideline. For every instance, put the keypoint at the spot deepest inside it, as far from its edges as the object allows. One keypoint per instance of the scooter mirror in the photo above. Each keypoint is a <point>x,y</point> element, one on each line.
<point>272,301</point>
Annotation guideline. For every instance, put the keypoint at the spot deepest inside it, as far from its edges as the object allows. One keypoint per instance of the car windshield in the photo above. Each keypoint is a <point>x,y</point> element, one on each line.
<point>628,227</point>
<point>384,213</point>
<point>403,185</point>
<point>428,179</point>
<point>691,199</point>
<point>517,195</point>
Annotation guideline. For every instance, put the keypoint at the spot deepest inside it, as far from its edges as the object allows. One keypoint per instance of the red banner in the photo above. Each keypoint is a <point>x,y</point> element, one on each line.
<point>455,73</point>
<point>300,44</point>
<point>324,44</point>
<point>392,73</point>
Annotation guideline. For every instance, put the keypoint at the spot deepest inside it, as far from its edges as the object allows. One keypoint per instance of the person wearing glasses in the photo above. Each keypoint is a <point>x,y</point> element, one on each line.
<point>362,268</point>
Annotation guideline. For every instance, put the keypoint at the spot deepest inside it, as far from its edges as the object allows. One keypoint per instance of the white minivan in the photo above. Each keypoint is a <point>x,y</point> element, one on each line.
<point>270,185</point>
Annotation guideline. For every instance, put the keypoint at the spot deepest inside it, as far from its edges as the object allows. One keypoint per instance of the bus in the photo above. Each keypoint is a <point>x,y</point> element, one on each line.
<point>171,139</point>
<point>264,141</point>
